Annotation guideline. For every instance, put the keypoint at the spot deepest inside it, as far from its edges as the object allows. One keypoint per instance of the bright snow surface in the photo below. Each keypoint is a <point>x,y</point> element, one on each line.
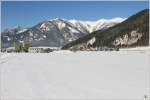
<point>75,75</point>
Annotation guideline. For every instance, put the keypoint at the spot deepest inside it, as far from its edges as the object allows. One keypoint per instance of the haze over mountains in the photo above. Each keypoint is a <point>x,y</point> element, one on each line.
<point>55,32</point>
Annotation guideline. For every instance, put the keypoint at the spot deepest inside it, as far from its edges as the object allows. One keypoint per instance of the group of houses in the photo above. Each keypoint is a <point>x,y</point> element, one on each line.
<point>31,49</point>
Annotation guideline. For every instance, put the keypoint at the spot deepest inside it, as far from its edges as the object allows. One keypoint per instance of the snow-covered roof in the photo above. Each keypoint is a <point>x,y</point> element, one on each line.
<point>45,47</point>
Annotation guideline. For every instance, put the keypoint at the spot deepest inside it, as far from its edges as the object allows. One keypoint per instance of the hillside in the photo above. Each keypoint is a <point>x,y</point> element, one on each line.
<point>130,33</point>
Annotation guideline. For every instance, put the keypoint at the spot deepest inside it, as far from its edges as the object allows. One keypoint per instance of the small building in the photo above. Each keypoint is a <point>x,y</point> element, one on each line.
<point>9,49</point>
<point>42,49</point>
<point>35,50</point>
<point>105,48</point>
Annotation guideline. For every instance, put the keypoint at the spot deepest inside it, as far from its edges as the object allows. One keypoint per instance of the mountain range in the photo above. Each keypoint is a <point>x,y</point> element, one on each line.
<point>132,32</point>
<point>55,32</point>
<point>77,34</point>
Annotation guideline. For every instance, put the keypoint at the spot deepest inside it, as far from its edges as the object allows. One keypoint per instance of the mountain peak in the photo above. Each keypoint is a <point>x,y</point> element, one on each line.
<point>118,19</point>
<point>56,19</point>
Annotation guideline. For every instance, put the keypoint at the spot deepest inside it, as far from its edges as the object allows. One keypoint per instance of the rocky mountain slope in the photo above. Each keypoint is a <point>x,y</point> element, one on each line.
<point>130,33</point>
<point>55,32</point>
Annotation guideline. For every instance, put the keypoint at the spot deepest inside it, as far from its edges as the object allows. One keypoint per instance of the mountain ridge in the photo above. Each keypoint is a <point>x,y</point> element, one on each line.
<point>55,32</point>
<point>134,31</point>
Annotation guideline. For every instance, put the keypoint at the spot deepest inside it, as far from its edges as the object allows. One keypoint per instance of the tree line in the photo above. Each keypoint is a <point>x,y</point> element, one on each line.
<point>22,47</point>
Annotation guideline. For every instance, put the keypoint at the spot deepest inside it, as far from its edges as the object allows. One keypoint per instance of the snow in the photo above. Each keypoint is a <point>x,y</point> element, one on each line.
<point>106,23</point>
<point>91,41</point>
<point>117,19</point>
<point>80,75</point>
<point>78,26</point>
<point>61,25</point>
<point>2,56</point>
<point>31,34</point>
<point>81,25</point>
<point>45,27</point>
<point>44,36</point>
<point>8,38</point>
<point>142,49</point>
<point>72,30</point>
<point>23,30</point>
<point>128,39</point>
<point>96,25</point>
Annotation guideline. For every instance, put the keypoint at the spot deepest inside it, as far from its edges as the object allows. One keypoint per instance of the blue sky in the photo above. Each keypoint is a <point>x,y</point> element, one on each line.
<point>29,13</point>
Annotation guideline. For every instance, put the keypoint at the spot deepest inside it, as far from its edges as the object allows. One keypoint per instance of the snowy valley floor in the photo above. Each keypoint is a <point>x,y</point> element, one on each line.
<point>82,75</point>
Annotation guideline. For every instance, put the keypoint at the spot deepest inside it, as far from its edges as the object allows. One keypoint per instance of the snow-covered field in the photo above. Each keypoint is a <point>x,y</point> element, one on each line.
<point>80,75</point>
<point>136,49</point>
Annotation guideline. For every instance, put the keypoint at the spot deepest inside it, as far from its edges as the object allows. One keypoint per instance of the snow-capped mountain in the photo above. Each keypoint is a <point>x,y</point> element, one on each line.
<point>91,26</point>
<point>56,32</point>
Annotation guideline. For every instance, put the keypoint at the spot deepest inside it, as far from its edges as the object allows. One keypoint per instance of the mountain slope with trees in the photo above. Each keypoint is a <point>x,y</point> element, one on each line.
<point>130,33</point>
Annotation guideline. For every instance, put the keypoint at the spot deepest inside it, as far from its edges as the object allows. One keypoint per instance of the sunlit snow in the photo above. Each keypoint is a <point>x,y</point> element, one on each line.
<point>75,75</point>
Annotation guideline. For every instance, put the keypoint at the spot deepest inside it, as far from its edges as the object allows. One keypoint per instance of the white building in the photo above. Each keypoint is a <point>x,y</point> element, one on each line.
<point>42,49</point>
